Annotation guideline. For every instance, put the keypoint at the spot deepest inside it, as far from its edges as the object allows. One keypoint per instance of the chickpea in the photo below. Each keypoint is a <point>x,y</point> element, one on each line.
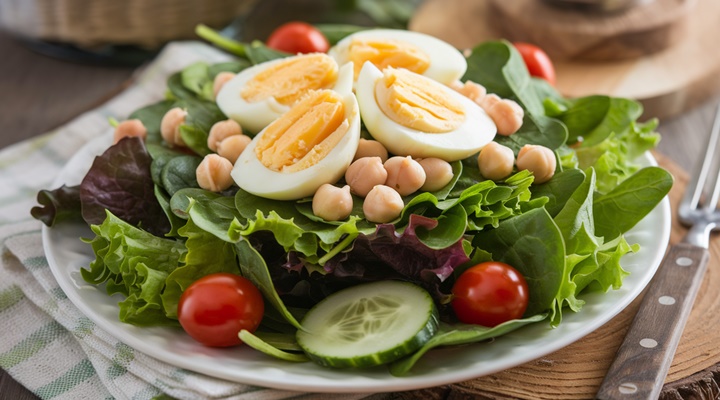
<point>213,173</point>
<point>363,174</point>
<point>220,80</point>
<point>471,90</point>
<point>507,115</point>
<point>495,161</point>
<point>130,128</point>
<point>332,203</point>
<point>438,173</point>
<point>404,174</point>
<point>232,147</point>
<point>382,204</point>
<point>537,159</point>
<point>222,130</point>
<point>487,101</point>
<point>371,148</point>
<point>170,126</point>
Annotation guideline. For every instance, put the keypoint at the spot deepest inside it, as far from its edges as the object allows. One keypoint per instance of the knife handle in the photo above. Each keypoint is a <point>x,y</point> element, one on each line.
<point>642,361</point>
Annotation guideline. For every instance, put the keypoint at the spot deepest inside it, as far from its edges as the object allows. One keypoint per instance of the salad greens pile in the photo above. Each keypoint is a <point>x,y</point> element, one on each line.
<point>156,231</point>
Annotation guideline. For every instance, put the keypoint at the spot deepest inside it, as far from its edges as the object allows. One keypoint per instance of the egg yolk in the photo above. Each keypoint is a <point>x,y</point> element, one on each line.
<point>289,80</point>
<point>305,134</point>
<point>387,53</point>
<point>417,102</point>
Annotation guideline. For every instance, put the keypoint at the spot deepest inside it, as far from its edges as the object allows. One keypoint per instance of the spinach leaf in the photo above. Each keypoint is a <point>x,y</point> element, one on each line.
<point>260,343</point>
<point>179,173</point>
<point>282,341</point>
<point>161,155</point>
<point>258,53</point>
<point>234,66</point>
<point>559,189</point>
<point>210,211</point>
<point>500,68</point>
<point>196,78</point>
<point>595,118</point>
<point>151,116</point>
<point>201,114</point>
<point>176,89</point>
<point>540,130</point>
<point>164,200</point>
<point>577,215</point>
<point>199,77</point>
<point>457,334</point>
<point>533,244</point>
<point>254,268</point>
<point>589,259</point>
<point>617,211</point>
<point>195,139</point>
<point>336,32</point>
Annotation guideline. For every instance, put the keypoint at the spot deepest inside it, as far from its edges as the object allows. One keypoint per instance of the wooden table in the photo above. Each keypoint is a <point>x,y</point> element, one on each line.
<point>38,94</point>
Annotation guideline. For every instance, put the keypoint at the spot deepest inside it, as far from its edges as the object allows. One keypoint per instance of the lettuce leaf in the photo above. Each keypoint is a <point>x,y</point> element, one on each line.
<point>613,157</point>
<point>134,263</point>
<point>205,254</point>
<point>120,182</point>
<point>57,205</point>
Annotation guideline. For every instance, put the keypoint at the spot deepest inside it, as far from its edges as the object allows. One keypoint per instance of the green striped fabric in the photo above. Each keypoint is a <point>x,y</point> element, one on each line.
<point>46,343</point>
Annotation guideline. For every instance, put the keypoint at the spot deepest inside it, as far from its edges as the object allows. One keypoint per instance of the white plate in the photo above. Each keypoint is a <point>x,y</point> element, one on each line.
<point>66,255</point>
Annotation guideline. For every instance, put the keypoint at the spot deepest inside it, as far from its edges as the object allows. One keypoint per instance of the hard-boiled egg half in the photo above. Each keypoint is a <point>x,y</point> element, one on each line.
<point>311,144</point>
<point>413,51</point>
<point>258,95</point>
<point>414,115</point>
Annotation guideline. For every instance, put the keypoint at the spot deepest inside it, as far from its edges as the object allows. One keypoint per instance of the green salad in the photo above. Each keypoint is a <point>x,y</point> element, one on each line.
<point>157,232</point>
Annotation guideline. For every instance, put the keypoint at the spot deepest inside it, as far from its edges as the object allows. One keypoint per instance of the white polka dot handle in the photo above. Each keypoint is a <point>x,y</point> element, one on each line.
<point>644,357</point>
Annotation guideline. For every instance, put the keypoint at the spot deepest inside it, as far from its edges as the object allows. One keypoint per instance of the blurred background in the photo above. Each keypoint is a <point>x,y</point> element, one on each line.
<point>63,57</point>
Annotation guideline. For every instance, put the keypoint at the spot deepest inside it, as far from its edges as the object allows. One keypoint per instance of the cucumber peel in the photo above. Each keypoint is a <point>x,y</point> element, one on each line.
<point>368,325</point>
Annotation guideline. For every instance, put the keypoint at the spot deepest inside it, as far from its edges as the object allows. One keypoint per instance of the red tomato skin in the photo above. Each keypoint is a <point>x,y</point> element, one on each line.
<point>489,294</point>
<point>298,37</point>
<point>537,61</point>
<point>215,308</point>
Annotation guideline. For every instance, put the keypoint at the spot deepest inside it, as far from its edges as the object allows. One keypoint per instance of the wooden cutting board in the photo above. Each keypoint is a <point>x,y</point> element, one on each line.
<point>576,371</point>
<point>667,82</point>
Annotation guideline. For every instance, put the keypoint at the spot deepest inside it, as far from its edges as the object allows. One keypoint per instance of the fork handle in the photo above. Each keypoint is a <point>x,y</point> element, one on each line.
<point>643,359</point>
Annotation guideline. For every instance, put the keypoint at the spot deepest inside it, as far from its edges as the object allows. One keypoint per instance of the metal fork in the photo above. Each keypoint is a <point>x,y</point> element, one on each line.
<point>642,361</point>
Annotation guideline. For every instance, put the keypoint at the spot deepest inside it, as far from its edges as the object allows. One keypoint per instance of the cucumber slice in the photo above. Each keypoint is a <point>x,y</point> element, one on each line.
<point>368,325</point>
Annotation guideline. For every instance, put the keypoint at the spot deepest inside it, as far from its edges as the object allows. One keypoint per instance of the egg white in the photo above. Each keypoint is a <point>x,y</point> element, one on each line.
<point>473,134</point>
<point>255,116</point>
<point>254,177</point>
<point>447,64</point>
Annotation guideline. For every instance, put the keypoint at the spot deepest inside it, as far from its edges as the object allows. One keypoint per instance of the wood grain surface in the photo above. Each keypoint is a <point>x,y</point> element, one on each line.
<point>571,33</point>
<point>668,82</point>
<point>38,94</point>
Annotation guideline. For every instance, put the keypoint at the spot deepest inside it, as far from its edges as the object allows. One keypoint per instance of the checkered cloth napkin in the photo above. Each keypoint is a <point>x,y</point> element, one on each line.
<point>46,343</point>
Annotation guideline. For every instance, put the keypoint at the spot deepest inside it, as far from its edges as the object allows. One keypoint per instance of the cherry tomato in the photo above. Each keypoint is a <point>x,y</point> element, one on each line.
<point>489,294</point>
<point>298,37</point>
<point>214,309</point>
<point>537,61</point>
